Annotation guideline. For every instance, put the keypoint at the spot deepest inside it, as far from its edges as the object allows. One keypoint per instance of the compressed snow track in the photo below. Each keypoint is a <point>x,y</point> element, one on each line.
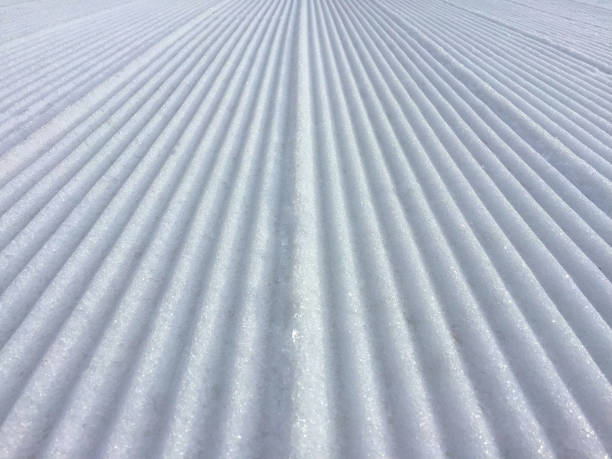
<point>309,228</point>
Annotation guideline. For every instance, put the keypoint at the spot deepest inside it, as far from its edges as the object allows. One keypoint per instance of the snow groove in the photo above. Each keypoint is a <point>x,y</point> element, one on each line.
<point>306,228</point>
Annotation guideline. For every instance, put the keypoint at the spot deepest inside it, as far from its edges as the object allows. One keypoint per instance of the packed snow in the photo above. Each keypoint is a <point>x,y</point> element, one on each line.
<point>306,228</point>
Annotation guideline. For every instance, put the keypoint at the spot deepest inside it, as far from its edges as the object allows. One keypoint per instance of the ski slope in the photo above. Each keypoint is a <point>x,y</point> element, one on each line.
<point>306,228</point>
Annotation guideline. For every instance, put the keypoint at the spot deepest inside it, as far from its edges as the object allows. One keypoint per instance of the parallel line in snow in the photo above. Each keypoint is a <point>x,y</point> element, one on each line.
<point>580,55</point>
<point>461,195</point>
<point>56,51</point>
<point>12,127</point>
<point>306,228</point>
<point>194,104</point>
<point>62,174</point>
<point>58,68</point>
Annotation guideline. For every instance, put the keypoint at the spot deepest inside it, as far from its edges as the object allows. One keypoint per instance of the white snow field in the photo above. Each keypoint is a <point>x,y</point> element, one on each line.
<point>306,228</point>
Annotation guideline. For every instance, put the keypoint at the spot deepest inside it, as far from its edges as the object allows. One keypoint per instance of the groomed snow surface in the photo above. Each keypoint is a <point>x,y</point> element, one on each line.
<point>306,228</point>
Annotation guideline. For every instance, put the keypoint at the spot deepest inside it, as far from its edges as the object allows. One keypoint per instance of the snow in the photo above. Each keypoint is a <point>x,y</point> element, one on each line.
<point>306,228</point>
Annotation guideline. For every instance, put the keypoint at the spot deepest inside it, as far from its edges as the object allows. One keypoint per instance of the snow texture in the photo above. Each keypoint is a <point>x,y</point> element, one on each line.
<point>306,228</point>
